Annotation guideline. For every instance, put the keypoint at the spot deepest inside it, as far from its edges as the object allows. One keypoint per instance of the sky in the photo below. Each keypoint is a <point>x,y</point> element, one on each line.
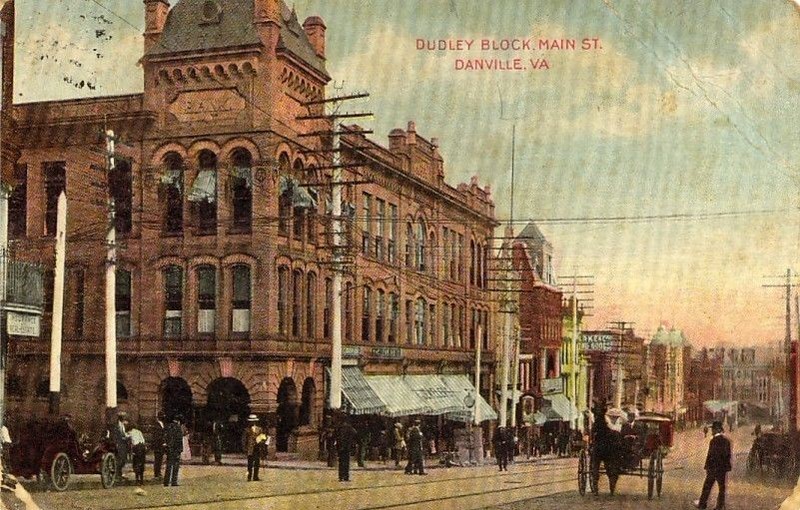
<point>685,109</point>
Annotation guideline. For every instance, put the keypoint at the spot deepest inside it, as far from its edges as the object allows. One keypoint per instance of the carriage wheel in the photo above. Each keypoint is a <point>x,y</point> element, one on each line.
<point>651,475</point>
<point>659,473</point>
<point>594,474</point>
<point>583,472</point>
<point>60,470</point>
<point>108,470</point>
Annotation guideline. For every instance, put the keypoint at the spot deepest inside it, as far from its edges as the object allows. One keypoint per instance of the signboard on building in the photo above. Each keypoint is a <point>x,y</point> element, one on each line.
<point>23,324</point>
<point>603,342</point>
<point>387,352</point>
<point>550,386</point>
<point>351,351</point>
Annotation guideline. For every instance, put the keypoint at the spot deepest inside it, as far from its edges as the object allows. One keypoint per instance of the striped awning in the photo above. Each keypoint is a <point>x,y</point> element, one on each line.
<point>439,397</point>
<point>460,385</point>
<point>561,408</point>
<point>359,398</point>
<point>397,395</point>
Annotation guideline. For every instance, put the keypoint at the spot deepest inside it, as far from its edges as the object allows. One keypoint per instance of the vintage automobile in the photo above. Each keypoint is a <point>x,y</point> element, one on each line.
<point>51,452</point>
<point>641,454</point>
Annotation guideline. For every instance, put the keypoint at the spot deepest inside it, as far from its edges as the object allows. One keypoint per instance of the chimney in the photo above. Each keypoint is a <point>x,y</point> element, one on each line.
<point>267,11</point>
<point>155,17</point>
<point>411,138</point>
<point>315,30</point>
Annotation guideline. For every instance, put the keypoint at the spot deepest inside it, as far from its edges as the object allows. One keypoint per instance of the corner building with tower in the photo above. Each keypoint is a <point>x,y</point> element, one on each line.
<point>223,219</point>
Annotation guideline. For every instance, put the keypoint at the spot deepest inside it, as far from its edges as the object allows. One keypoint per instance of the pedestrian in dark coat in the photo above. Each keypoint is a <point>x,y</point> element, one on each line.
<point>216,438</point>
<point>120,436</point>
<point>254,441</point>
<point>159,445</point>
<point>500,441</point>
<point>346,437</point>
<point>718,463</point>
<point>415,441</point>
<point>173,439</point>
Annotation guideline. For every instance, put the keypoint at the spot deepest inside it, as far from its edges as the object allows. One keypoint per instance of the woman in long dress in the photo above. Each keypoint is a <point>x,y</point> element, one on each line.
<point>186,454</point>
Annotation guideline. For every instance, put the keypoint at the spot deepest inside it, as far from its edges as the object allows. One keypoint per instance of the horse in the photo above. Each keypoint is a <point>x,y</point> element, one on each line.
<point>606,448</point>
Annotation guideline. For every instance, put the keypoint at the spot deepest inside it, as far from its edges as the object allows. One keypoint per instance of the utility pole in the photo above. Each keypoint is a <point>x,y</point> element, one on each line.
<point>791,367</point>
<point>111,284</point>
<point>584,295</point>
<point>5,261</point>
<point>338,248</point>
<point>476,414</point>
<point>515,379</point>
<point>574,351</point>
<point>58,306</point>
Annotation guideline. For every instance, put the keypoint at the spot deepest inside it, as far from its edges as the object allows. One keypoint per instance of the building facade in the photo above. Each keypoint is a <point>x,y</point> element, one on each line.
<point>223,288</point>
<point>664,376</point>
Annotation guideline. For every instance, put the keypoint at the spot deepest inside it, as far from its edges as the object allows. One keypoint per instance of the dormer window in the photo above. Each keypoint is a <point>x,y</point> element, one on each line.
<point>212,12</point>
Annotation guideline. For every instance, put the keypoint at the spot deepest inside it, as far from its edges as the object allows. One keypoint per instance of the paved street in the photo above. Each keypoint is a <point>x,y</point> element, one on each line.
<point>545,484</point>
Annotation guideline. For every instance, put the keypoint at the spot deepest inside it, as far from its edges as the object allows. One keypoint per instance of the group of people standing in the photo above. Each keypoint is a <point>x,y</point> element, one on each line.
<point>347,439</point>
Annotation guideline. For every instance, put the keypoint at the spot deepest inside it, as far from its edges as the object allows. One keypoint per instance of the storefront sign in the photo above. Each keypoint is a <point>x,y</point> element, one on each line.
<point>598,342</point>
<point>23,324</point>
<point>550,386</point>
<point>387,352</point>
<point>351,351</point>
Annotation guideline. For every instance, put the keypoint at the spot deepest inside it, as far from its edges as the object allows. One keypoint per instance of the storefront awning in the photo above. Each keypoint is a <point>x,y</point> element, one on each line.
<point>358,395</point>
<point>718,406</point>
<point>438,397</point>
<point>461,385</point>
<point>561,408</point>
<point>398,397</point>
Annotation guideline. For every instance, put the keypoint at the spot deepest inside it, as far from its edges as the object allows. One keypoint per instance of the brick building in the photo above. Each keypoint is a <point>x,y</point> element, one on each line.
<point>9,149</point>
<point>540,312</point>
<point>704,382</point>
<point>223,295</point>
<point>664,369</point>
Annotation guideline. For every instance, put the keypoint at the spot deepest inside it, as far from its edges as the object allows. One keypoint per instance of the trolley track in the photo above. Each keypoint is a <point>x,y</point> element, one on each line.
<point>387,486</point>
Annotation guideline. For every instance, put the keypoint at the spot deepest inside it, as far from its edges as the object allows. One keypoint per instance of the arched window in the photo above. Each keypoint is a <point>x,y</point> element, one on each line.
<point>326,312</point>
<point>240,299</point>
<point>446,326</point>
<point>394,317</point>
<point>283,300</point>
<point>206,299</point>
<point>421,254</point>
<point>173,301</point>
<point>420,324</point>
<point>409,245</point>
<point>204,193</point>
<point>380,313</point>
<point>298,210</point>
<point>122,302</point>
<point>311,306</point>
<point>284,196</point>
<point>366,314</point>
<point>242,189</point>
<point>121,187</point>
<point>432,253</point>
<point>172,186</point>
<point>479,267</point>
<point>472,262</point>
<point>297,302</point>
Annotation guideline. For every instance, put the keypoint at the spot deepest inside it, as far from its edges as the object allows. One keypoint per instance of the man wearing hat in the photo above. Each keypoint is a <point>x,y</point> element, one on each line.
<point>158,444</point>
<point>415,441</point>
<point>718,463</point>
<point>119,434</point>
<point>345,439</point>
<point>254,439</point>
<point>173,437</point>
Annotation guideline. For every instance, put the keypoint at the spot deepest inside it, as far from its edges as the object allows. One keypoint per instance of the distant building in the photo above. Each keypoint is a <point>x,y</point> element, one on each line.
<point>664,368</point>
<point>703,383</point>
<point>753,376</point>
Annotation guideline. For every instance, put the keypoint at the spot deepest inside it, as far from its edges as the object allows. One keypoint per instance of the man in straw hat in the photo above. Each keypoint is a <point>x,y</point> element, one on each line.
<point>254,440</point>
<point>718,463</point>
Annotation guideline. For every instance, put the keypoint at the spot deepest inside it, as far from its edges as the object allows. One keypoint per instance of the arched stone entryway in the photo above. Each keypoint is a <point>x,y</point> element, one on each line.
<point>229,403</point>
<point>308,411</point>
<point>176,399</point>
<point>288,413</point>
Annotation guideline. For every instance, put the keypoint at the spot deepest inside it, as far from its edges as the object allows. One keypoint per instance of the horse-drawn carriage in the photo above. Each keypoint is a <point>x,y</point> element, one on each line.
<point>775,454</point>
<point>638,451</point>
<point>51,452</point>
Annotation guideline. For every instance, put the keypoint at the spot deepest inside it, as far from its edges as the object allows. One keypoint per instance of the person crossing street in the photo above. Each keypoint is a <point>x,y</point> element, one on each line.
<point>717,466</point>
